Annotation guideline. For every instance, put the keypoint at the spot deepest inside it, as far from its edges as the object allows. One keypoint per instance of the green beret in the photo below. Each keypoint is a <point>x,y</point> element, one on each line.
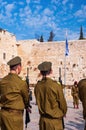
<point>45,66</point>
<point>14,61</point>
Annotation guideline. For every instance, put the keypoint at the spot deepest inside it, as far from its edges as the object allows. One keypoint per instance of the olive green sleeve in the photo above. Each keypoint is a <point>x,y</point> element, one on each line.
<point>62,100</point>
<point>80,90</point>
<point>82,96</point>
<point>25,94</point>
<point>0,97</point>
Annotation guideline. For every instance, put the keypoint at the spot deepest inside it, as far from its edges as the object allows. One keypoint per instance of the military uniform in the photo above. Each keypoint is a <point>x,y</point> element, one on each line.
<point>82,96</point>
<point>74,93</point>
<point>14,98</point>
<point>51,102</point>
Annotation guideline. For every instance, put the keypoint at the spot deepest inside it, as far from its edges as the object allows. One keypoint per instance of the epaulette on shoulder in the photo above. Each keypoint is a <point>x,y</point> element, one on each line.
<point>58,83</point>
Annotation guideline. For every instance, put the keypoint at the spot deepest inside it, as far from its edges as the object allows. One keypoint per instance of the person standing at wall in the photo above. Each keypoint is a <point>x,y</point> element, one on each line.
<point>74,93</point>
<point>13,97</point>
<point>50,100</point>
<point>82,96</point>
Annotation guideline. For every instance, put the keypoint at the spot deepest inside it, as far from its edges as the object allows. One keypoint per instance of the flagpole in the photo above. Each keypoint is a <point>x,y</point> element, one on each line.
<point>64,73</point>
<point>66,54</point>
<point>65,70</point>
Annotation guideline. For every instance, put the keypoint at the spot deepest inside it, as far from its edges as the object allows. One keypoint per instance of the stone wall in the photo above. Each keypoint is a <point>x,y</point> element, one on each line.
<point>32,52</point>
<point>8,49</point>
<point>73,66</point>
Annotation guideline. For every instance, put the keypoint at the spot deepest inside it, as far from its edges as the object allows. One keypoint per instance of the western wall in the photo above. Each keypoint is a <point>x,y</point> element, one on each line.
<point>8,49</point>
<point>32,52</point>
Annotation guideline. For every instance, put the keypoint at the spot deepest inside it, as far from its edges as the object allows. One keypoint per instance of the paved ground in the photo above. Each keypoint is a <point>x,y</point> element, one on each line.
<point>73,119</point>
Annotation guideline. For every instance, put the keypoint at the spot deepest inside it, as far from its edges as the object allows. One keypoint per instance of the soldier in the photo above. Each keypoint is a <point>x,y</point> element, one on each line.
<point>50,100</point>
<point>74,93</point>
<point>14,97</point>
<point>82,96</point>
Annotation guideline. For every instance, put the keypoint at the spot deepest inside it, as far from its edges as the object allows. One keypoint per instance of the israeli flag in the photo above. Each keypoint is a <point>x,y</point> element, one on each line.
<point>66,48</point>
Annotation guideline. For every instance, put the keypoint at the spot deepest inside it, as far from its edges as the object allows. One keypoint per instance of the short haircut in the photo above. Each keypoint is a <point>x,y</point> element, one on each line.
<point>14,67</point>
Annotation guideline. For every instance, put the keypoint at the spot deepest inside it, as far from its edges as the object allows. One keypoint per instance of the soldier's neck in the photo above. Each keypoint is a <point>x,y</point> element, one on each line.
<point>14,71</point>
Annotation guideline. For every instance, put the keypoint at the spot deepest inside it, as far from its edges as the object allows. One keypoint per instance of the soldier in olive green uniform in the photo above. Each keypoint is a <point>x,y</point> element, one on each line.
<point>14,97</point>
<point>82,96</point>
<point>74,93</point>
<point>50,100</point>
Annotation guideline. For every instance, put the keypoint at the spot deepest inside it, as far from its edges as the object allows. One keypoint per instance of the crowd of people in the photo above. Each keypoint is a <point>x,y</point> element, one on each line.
<point>52,105</point>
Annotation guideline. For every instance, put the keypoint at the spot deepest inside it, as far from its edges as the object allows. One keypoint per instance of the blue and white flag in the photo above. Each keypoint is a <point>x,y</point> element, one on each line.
<point>66,48</point>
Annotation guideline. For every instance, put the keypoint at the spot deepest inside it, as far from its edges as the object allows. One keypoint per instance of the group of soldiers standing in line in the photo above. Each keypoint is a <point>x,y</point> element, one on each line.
<point>49,96</point>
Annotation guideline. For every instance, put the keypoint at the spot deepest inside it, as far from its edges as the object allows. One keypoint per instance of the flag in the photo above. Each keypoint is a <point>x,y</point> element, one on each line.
<point>66,48</point>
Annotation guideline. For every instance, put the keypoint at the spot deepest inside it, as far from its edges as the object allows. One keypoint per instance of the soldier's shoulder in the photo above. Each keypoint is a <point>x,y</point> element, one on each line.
<point>38,81</point>
<point>54,81</point>
<point>21,80</point>
<point>73,87</point>
<point>57,82</point>
<point>82,81</point>
<point>4,78</point>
